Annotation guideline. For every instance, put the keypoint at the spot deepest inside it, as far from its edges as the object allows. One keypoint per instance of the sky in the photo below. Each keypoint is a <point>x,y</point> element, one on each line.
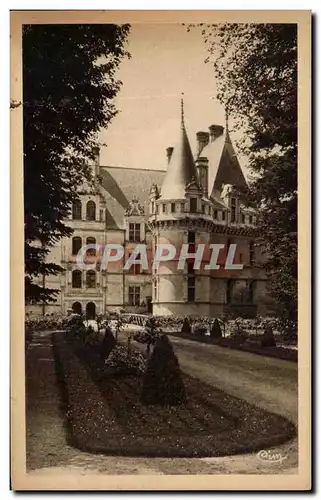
<point>166,62</point>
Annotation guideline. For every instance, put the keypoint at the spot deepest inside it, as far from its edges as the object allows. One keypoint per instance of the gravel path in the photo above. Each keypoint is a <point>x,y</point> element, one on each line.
<point>257,379</point>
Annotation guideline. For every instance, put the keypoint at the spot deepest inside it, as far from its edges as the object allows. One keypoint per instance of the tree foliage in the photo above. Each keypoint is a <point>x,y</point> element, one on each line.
<point>69,84</point>
<point>256,70</point>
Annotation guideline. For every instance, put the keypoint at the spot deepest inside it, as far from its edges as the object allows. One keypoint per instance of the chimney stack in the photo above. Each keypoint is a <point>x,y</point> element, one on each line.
<point>215,131</point>
<point>169,152</point>
<point>202,139</point>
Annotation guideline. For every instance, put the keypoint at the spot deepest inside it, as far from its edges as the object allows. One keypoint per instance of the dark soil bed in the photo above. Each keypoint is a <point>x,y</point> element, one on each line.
<point>106,416</point>
<point>252,345</point>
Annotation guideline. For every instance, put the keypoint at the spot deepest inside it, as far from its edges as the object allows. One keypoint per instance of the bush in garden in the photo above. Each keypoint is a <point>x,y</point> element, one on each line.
<point>123,363</point>
<point>108,343</point>
<point>186,327</point>
<point>163,384</point>
<point>76,327</point>
<point>200,329</point>
<point>239,332</point>
<point>216,332</point>
<point>152,330</point>
<point>92,337</point>
<point>268,339</point>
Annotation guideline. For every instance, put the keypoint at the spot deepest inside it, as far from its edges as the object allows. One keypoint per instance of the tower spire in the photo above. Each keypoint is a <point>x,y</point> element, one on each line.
<point>182,109</point>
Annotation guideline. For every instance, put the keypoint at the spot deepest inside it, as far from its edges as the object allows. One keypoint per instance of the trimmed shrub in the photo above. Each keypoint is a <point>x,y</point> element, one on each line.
<point>200,329</point>
<point>268,339</point>
<point>163,384</point>
<point>108,343</point>
<point>76,327</point>
<point>123,363</point>
<point>186,327</point>
<point>92,338</point>
<point>216,332</point>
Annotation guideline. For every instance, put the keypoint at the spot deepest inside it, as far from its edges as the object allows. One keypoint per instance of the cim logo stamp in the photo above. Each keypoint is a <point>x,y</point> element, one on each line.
<point>269,456</point>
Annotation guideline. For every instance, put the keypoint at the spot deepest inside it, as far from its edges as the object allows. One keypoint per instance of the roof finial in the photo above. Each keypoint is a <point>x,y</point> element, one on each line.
<point>182,109</point>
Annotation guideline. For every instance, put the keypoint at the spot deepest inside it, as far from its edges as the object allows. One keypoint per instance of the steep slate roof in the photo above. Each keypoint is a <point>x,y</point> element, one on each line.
<point>121,185</point>
<point>223,165</point>
<point>181,168</point>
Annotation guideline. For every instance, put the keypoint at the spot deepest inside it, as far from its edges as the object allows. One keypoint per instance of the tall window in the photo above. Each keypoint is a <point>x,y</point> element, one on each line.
<point>164,208</point>
<point>173,207</point>
<point>193,205</point>
<point>191,241</point>
<point>229,291</point>
<point>243,218</point>
<point>91,210</point>
<point>134,268</point>
<point>90,279</point>
<point>251,219</point>
<point>215,214</point>
<point>91,241</point>
<point>251,252</point>
<point>191,289</point>
<point>76,245</point>
<point>233,210</point>
<point>223,215</point>
<point>76,279</point>
<point>251,291</point>
<point>134,232</point>
<point>134,295</point>
<point>182,208</point>
<point>191,237</point>
<point>155,289</point>
<point>190,268</point>
<point>76,210</point>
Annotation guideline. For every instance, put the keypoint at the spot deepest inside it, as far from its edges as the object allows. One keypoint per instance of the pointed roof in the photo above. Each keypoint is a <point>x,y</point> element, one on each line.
<point>224,167</point>
<point>181,168</point>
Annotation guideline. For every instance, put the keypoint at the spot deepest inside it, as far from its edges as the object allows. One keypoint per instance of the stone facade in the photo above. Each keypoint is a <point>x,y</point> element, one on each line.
<point>193,201</point>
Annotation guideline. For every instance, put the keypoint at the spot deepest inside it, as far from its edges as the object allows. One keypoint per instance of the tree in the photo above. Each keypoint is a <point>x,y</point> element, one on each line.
<point>69,84</point>
<point>256,70</point>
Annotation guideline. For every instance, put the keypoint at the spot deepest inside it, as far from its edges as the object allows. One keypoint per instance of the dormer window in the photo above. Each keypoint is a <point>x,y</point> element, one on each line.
<point>193,205</point>
<point>134,232</point>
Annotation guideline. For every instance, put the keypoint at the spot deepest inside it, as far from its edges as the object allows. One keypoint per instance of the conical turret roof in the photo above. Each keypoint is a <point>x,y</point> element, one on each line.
<point>181,169</point>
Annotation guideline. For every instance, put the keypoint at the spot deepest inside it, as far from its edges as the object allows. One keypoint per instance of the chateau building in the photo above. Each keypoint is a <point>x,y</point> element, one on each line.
<point>195,200</point>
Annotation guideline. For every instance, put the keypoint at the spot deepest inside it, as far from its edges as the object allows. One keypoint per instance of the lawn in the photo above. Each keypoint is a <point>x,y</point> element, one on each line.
<point>105,414</point>
<point>252,344</point>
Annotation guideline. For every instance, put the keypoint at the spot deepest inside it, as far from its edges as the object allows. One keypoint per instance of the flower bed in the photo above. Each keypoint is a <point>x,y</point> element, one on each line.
<point>47,322</point>
<point>106,415</point>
